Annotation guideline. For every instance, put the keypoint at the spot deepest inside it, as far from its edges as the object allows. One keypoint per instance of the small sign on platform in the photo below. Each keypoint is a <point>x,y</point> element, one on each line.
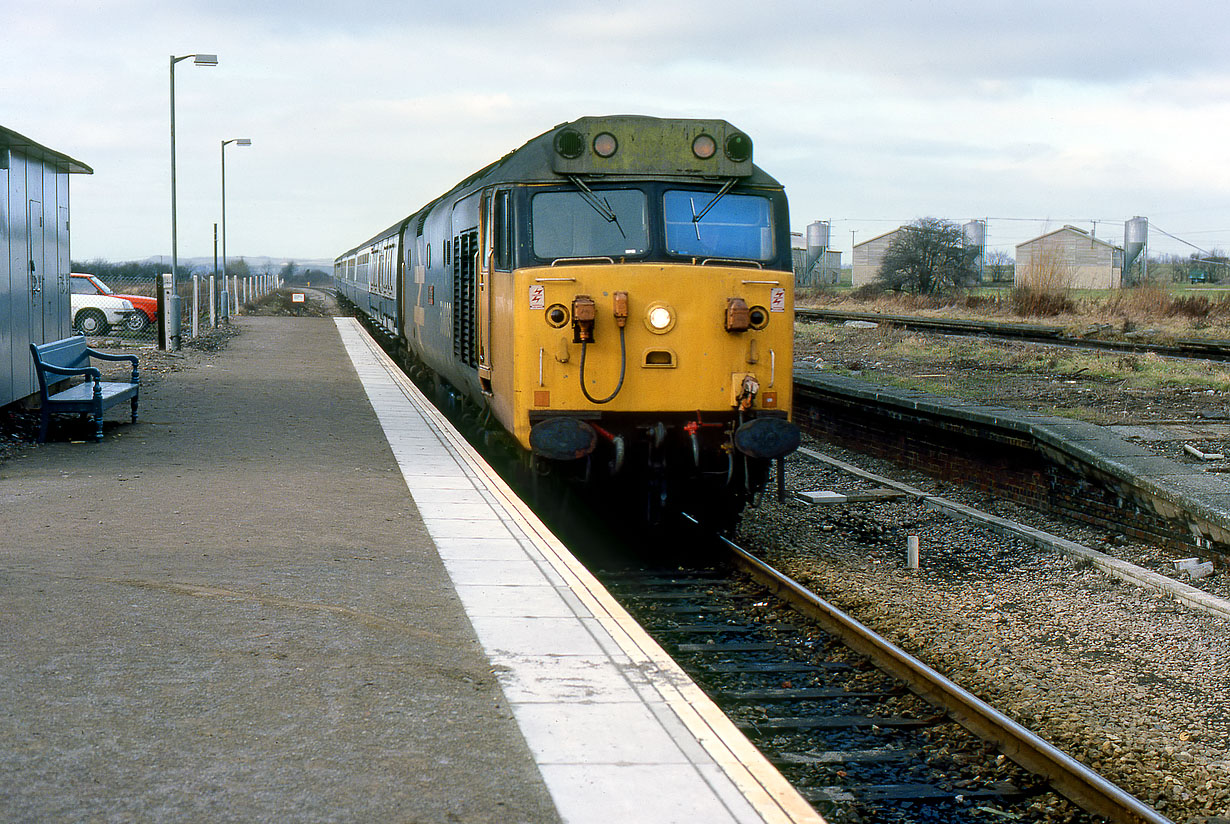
<point>297,297</point>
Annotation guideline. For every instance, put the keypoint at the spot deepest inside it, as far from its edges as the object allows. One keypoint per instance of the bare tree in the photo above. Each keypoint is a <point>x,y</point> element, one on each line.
<point>1000,265</point>
<point>239,267</point>
<point>930,255</point>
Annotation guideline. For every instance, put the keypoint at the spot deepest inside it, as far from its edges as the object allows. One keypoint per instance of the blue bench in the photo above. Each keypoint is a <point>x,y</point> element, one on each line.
<point>70,357</point>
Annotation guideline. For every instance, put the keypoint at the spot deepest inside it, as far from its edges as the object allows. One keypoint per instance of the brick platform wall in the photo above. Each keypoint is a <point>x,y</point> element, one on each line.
<point>1009,467</point>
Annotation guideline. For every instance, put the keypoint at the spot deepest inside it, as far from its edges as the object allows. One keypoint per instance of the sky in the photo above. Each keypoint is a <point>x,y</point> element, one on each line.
<point>872,113</point>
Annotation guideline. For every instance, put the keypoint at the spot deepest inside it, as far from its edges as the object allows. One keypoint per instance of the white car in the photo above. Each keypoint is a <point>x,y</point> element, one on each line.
<point>96,314</point>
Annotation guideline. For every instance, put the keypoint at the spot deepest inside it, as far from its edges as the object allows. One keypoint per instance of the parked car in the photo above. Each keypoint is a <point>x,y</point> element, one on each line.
<point>96,314</point>
<point>147,307</point>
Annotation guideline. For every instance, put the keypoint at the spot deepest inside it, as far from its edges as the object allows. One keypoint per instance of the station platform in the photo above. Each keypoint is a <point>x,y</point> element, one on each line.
<point>292,592</point>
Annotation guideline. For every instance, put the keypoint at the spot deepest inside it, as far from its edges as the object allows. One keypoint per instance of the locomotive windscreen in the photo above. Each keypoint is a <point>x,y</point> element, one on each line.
<point>567,224</point>
<point>732,226</point>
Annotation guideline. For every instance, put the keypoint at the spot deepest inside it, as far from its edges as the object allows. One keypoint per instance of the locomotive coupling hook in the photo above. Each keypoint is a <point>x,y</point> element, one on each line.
<point>751,387</point>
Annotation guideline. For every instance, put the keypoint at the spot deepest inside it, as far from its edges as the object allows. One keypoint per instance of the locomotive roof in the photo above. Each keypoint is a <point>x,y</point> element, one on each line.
<point>642,148</point>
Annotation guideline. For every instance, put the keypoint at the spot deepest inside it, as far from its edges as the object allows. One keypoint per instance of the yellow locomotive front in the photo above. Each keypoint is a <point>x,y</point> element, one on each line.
<point>635,310</point>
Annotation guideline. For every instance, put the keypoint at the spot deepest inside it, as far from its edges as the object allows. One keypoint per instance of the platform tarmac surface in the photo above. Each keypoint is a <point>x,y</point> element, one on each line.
<point>231,612</point>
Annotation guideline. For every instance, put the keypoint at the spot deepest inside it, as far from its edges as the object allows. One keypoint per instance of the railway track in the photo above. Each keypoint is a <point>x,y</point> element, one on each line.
<point>864,730</point>
<point>1218,350</point>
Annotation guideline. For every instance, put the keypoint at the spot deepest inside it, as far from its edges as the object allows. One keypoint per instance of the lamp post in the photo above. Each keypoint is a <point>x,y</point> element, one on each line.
<point>238,141</point>
<point>199,60</point>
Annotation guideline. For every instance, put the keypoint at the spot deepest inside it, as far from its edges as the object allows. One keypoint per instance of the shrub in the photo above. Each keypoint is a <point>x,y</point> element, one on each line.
<point>1030,301</point>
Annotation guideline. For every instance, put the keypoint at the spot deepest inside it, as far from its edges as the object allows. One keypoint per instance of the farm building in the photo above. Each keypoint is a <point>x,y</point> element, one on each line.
<point>1069,258</point>
<point>824,268</point>
<point>34,256</point>
<point>868,256</point>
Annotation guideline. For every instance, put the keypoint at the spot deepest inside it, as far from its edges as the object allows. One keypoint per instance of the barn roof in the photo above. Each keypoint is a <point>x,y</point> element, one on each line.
<point>1070,228</point>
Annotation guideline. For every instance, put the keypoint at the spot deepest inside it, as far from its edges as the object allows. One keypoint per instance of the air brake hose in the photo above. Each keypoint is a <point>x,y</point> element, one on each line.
<point>623,363</point>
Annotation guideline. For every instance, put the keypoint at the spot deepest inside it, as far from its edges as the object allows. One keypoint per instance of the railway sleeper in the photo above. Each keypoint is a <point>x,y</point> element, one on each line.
<point>879,755</point>
<point>841,722</point>
<point>909,792</point>
<point>722,648</point>
<point>803,694</point>
<point>706,629</point>
<point>777,667</point>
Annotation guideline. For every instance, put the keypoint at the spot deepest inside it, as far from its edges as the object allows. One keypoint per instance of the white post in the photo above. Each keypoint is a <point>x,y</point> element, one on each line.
<point>213,317</point>
<point>911,551</point>
<point>196,306</point>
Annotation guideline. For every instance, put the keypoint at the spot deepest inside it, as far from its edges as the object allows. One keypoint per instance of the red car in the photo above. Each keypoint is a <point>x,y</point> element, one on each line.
<point>138,322</point>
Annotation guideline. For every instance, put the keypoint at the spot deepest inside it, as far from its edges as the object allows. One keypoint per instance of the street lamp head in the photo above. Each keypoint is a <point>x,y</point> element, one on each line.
<point>205,59</point>
<point>243,141</point>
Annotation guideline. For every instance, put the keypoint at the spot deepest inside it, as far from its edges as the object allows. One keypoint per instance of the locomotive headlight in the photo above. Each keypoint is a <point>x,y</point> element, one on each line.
<point>659,318</point>
<point>704,147</point>
<point>605,144</point>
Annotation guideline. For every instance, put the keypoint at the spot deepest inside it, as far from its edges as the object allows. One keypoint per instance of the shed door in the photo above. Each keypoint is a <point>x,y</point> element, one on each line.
<point>61,307</point>
<point>34,254</point>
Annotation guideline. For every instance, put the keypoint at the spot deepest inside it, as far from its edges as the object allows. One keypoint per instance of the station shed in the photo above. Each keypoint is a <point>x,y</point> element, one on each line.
<point>868,256</point>
<point>1068,258</point>
<point>35,306</point>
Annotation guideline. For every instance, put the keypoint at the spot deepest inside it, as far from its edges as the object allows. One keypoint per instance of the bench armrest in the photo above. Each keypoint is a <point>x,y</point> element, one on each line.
<point>94,353</point>
<point>89,371</point>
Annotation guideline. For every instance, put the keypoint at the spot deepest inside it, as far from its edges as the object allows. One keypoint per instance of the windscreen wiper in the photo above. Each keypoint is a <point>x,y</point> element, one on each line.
<point>726,187</point>
<point>599,205</point>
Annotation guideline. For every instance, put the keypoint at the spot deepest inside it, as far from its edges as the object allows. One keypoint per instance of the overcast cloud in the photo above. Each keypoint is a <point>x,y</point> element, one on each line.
<point>873,114</point>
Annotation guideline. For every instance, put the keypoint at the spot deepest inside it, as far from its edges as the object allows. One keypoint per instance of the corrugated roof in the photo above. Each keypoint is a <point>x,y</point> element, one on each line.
<point>10,139</point>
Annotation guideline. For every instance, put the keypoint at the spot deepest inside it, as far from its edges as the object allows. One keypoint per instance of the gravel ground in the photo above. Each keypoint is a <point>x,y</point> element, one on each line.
<point>1128,681</point>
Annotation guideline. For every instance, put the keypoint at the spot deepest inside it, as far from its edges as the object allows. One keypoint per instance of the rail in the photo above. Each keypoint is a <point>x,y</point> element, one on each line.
<point>1068,776</point>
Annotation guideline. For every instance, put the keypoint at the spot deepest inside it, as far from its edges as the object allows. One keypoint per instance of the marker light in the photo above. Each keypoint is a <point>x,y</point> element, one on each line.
<point>659,318</point>
<point>704,147</point>
<point>605,144</point>
<point>739,147</point>
<point>569,143</point>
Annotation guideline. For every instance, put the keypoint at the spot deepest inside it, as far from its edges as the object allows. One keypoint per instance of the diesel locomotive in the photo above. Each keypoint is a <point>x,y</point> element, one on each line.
<point>617,294</point>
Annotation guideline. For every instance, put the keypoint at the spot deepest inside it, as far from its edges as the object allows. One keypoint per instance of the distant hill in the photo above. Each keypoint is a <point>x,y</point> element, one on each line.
<point>205,265</point>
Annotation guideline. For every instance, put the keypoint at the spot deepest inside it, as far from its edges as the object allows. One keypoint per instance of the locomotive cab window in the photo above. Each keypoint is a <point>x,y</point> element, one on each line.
<point>501,232</point>
<point>710,224</point>
<point>576,224</point>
